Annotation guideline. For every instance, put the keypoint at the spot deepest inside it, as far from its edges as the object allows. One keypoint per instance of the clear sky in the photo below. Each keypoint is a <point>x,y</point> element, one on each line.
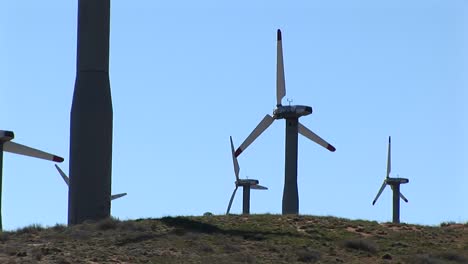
<point>187,75</point>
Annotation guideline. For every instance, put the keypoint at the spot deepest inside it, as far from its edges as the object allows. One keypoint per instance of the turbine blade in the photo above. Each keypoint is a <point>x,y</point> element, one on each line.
<point>258,187</point>
<point>280,83</point>
<point>116,196</point>
<point>264,124</point>
<point>64,176</point>
<point>28,151</point>
<point>403,197</point>
<point>389,161</point>
<point>234,160</point>
<point>312,136</point>
<point>380,192</point>
<point>232,198</point>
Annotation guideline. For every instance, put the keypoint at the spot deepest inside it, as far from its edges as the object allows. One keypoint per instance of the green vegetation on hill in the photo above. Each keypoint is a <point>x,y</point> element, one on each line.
<point>237,239</point>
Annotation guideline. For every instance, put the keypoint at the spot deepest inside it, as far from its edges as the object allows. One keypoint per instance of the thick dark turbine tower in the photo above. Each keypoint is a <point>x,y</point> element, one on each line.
<point>91,117</point>
<point>291,114</point>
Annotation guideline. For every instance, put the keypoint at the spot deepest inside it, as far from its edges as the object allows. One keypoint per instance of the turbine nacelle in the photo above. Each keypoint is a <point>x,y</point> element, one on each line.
<point>289,111</point>
<point>248,182</point>
<point>6,136</point>
<point>391,181</point>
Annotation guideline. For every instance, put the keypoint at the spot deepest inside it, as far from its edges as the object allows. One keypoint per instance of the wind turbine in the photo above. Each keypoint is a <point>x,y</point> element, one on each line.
<point>8,146</point>
<point>291,114</point>
<point>246,184</point>
<point>67,181</point>
<point>395,185</point>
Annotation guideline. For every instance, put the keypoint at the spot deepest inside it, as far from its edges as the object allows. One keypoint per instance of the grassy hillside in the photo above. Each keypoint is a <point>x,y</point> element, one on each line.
<point>237,239</point>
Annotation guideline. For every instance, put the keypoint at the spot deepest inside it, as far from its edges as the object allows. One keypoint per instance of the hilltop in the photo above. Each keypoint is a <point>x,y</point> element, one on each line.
<point>237,239</point>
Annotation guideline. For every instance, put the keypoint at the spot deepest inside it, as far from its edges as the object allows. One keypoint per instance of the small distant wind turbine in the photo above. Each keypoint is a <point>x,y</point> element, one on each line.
<point>246,184</point>
<point>8,146</point>
<point>67,181</point>
<point>395,185</point>
<point>291,114</point>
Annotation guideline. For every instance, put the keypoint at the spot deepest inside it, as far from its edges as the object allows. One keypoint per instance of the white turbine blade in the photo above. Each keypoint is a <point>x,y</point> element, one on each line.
<point>380,192</point>
<point>230,201</point>
<point>234,160</point>
<point>403,197</point>
<point>264,124</point>
<point>280,83</point>
<point>258,187</point>
<point>116,196</point>
<point>64,176</point>
<point>67,181</point>
<point>312,136</point>
<point>389,161</point>
<point>28,151</point>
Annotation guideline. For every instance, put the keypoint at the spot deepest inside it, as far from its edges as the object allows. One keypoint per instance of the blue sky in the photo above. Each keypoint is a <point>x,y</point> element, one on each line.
<point>186,76</point>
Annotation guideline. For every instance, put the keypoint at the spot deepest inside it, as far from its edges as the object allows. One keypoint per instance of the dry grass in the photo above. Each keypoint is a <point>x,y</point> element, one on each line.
<point>236,239</point>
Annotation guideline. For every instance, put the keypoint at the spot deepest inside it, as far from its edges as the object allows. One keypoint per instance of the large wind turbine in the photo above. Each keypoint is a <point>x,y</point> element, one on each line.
<point>8,146</point>
<point>67,182</point>
<point>395,185</point>
<point>246,184</point>
<point>291,114</point>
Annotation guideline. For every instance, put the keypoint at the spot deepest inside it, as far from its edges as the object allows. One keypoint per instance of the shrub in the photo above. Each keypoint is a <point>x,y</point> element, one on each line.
<point>440,258</point>
<point>31,229</point>
<point>4,236</point>
<point>361,244</point>
<point>243,257</point>
<point>449,223</point>
<point>452,256</point>
<point>107,224</point>
<point>422,259</point>
<point>59,227</point>
<point>79,232</point>
<point>133,238</point>
<point>204,247</point>
<point>230,247</point>
<point>132,226</point>
<point>187,224</point>
<point>307,255</point>
<point>36,253</point>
